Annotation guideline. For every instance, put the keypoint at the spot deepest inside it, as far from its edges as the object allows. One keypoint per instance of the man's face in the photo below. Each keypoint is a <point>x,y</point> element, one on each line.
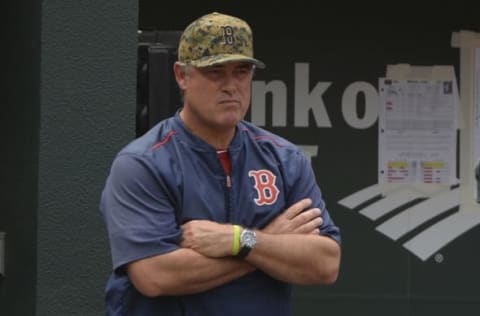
<point>217,97</point>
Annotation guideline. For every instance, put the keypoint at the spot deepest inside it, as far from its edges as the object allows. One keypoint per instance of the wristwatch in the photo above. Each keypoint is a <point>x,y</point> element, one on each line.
<point>248,240</point>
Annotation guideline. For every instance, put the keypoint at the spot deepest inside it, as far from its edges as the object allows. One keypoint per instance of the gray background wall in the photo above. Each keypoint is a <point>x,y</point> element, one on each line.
<point>87,91</point>
<point>68,93</point>
<point>19,127</point>
<point>67,106</point>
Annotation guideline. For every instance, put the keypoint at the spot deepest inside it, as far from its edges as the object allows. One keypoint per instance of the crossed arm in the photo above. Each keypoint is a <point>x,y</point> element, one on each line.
<point>289,249</point>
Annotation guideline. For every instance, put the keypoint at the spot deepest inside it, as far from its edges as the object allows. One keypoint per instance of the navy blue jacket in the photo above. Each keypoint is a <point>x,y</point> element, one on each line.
<point>169,176</point>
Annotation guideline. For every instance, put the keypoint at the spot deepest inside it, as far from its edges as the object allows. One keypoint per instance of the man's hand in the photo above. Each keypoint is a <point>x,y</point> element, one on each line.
<point>296,220</point>
<point>215,240</point>
<point>209,238</point>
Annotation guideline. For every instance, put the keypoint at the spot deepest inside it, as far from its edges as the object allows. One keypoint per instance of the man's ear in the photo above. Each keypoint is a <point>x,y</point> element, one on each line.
<point>180,74</point>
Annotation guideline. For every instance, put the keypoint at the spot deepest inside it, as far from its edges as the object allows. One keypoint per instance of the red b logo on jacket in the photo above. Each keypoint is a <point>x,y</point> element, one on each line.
<point>265,185</point>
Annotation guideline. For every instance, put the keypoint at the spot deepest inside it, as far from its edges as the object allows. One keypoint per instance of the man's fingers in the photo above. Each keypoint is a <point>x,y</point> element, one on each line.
<point>306,216</point>
<point>310,226</point>
<point>298,218</point>
<point>311,213</point>
<point>297,208</point>
<point>307,221</point>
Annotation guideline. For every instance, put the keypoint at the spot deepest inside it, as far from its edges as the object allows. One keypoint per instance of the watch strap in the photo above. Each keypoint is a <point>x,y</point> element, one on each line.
<point>247,242</point>
<point>244,251</point>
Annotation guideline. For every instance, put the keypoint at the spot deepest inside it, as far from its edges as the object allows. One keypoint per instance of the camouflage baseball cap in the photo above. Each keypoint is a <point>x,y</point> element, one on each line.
<point>215,39</point>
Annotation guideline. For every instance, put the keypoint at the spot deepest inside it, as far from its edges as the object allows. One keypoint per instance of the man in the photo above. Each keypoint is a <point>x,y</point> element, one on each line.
<point>208,214</point>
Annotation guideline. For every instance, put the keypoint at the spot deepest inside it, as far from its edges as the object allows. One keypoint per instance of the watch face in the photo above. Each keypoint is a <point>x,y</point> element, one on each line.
<point>249,238</point>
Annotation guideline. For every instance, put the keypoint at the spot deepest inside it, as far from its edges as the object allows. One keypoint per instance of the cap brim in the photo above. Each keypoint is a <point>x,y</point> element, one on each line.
<point>225,58</point>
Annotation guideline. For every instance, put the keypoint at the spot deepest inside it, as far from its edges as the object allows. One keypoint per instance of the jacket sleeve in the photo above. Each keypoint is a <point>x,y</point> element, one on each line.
<point>302,183</point>
<point>138,212</point>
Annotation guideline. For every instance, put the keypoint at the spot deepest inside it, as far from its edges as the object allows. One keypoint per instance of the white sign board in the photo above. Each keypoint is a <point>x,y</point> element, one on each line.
<point>417,131</point>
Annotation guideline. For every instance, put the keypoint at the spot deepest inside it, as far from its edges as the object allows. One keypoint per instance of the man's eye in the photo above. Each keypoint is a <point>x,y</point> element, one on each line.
<point>212,71</point>
<point>243,71</point>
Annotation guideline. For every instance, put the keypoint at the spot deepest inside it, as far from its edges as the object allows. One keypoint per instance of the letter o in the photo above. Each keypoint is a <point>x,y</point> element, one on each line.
<point>350,108</point>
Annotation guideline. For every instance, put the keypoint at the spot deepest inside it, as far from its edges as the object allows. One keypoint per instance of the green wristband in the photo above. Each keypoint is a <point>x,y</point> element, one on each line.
<point>236,240</point>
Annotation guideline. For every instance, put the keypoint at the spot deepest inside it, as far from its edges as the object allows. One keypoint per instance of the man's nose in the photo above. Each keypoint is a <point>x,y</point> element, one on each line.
<point>229,81</point>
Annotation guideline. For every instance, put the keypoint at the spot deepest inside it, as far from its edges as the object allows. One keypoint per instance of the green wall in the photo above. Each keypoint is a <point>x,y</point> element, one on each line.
<point>19,125</point>
<point>68,96</point>
<point>87,98</point>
